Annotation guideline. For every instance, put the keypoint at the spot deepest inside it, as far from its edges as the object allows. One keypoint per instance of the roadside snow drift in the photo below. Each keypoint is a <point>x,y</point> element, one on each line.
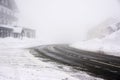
<point>18,43</point>
<point>109,45</point>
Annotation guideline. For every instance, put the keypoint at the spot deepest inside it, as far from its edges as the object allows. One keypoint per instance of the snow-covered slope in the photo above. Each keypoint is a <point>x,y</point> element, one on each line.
<point>109,45</point>
<point>103,29</point>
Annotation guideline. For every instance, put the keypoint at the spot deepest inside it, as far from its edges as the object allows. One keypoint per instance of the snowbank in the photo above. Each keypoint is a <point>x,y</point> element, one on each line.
<point>18,43</point>
<point>91,45</point>
<point>109,45</point>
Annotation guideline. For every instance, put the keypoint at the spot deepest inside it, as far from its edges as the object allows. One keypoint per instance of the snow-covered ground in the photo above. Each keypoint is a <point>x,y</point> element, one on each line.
<point>20,65</point>
<point>17,63</point>
<point>10,42</point>
<point>109,45</point>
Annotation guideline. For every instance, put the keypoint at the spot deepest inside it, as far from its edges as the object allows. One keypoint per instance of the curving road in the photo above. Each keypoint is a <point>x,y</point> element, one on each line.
<point>101,65</point>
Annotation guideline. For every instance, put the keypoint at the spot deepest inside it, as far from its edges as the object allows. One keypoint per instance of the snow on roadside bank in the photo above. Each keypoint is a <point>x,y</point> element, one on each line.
<point>109,45</point>
<point>18,43</point>
<point>91,45</point>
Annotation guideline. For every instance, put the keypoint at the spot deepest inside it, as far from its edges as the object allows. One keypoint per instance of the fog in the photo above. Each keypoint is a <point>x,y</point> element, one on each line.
<point>65,21</point>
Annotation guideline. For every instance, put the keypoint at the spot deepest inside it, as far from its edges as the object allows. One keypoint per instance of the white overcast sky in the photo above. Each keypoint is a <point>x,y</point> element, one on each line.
<point>65,20</point>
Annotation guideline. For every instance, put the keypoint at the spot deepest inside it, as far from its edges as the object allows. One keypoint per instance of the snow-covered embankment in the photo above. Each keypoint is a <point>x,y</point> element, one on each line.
<point>109,45</point>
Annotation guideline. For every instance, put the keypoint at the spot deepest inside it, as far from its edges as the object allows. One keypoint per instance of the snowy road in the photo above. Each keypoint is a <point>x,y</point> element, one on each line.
<point>101,65</point>
<point>19,64</point>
